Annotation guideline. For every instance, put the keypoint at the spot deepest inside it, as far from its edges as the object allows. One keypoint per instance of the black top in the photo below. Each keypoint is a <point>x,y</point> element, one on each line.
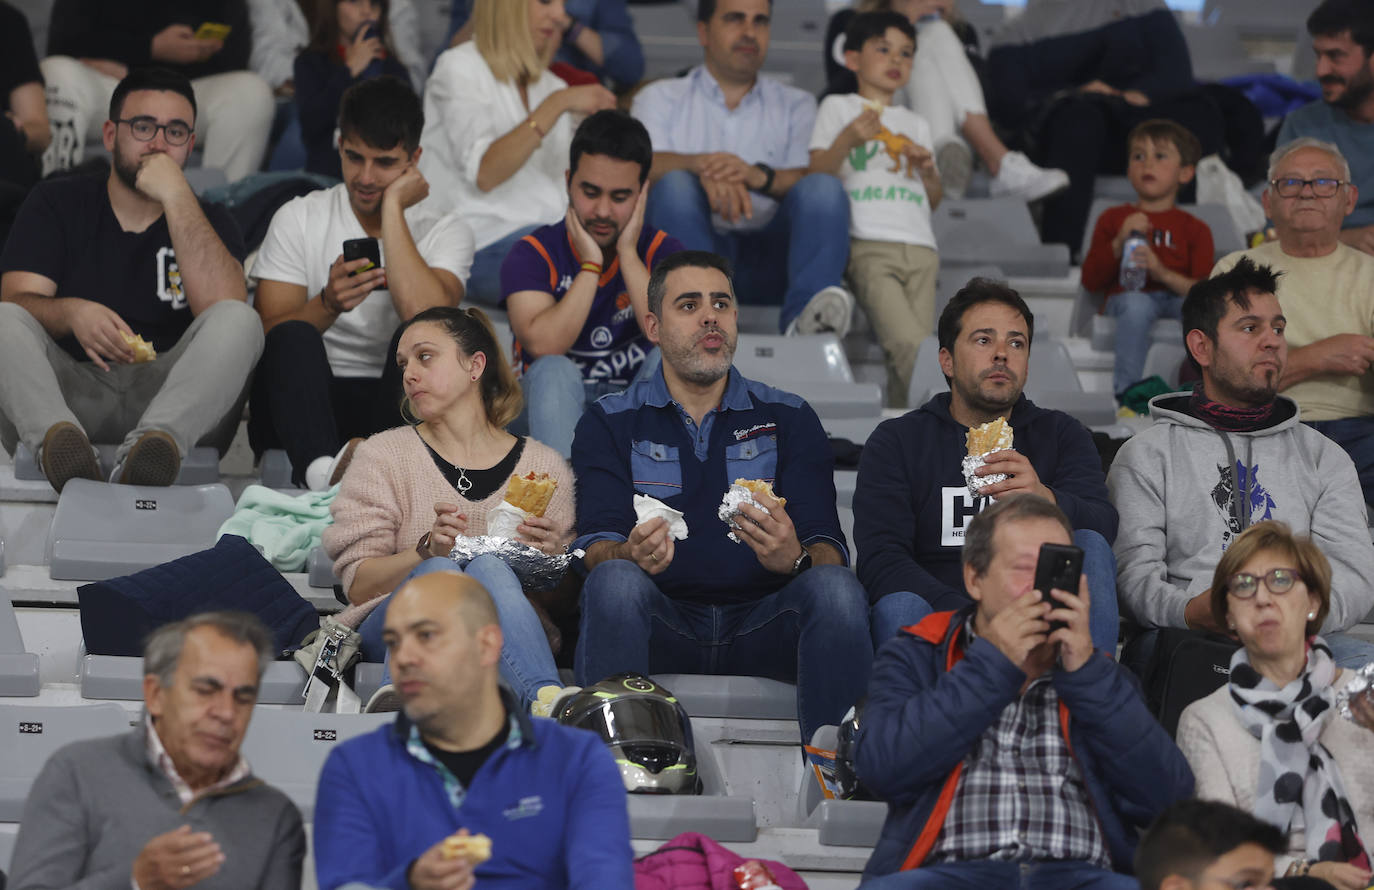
<point>66,230</point>
<point>485,483</point>
<point>124,31</point>
<point>465,764</point>
<point>18,61</point>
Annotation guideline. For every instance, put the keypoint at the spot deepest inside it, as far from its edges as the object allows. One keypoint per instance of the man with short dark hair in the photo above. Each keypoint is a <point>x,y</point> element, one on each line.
<point>577,291</point>
<point>1010,751</point>
<point>464,758</point>
<point>1343,39</point>
<point>93,262</point>
<point>731,152</point>
<point>328,371</point>
<point>912,504</point>
<point>779,602</point>
<point>1196,844</point>
<point>1225,456</point>
<point>171,804</point>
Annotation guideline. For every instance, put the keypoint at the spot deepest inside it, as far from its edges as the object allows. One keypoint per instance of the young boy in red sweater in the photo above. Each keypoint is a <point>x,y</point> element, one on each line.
<point>1177,250</point>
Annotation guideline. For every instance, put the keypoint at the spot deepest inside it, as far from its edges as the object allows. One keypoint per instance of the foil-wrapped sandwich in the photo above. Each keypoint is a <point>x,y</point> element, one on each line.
<point>995,435</point>
<point>1362,683</point>
<point>758,492</point>
<point>526,496</point>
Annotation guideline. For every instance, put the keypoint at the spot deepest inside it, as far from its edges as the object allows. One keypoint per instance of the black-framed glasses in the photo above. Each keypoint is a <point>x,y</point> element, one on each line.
<point>145,128</point>
<point>1244,585</point>
<point>1291,186</point>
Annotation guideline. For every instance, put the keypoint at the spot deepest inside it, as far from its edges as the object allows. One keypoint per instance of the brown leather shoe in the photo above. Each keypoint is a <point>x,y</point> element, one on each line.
<point>154,460</point>
<point>66,454</point>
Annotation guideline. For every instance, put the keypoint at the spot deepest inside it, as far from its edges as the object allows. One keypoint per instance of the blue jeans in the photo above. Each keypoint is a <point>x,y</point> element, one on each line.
<point>985,874</point>
<point>556,396</point>
<point>484,281</point>
<point>1135,312</point>
<point>1356,436</point>
<point>808,237</point>
<point>814,632</point>
<point>898,609</point>
<point>526,662</point>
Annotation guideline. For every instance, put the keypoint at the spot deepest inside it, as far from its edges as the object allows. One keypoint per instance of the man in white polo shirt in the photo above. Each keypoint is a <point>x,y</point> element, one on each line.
<point>328,372</point>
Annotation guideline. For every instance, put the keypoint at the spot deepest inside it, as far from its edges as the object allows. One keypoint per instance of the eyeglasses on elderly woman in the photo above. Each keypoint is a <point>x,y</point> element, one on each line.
<point>1244,585</point>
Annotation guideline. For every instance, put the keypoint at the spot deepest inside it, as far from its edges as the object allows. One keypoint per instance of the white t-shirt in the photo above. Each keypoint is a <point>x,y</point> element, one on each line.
<point>885,204</point>
<point>307,235</point>
<point>466,110</point>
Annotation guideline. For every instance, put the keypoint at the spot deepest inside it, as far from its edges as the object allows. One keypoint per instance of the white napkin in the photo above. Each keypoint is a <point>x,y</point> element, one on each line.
<point>504,519</point>
<point>647,508</point>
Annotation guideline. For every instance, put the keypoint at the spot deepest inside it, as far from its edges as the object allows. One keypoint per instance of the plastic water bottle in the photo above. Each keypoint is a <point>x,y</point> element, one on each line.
<point>1133,272</point>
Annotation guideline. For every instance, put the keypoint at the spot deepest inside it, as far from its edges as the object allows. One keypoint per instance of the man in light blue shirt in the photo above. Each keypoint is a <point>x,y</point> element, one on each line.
<point>1343,39</point>
<point>730,172</point>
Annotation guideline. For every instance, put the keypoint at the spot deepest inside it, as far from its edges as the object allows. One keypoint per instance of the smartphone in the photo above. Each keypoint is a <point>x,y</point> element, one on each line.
<point>363,248</point>
<point>1058,567</point>
<point>373,30</point>
<point>213,31</point>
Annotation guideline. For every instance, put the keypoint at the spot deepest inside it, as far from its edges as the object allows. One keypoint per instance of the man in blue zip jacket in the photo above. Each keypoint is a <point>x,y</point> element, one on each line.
<point>462,757</point>
<point>1010,751</point>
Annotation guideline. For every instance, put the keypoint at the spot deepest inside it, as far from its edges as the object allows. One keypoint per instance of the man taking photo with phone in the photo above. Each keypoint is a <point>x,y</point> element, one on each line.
<point>1010,752</point>
<point>328,373</point>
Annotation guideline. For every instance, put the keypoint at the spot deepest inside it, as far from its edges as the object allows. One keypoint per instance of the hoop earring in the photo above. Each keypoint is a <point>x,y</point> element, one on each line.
<point>406,414</point>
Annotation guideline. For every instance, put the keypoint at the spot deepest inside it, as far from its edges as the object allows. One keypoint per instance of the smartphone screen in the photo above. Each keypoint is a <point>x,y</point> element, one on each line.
<point>1058,568</point>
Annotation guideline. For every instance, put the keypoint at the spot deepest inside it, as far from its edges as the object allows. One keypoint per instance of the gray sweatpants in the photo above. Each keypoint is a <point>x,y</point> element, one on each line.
<point>194,392</point>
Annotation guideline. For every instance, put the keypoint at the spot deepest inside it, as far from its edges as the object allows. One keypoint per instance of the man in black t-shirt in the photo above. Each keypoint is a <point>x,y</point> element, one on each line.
<point>91,264</point>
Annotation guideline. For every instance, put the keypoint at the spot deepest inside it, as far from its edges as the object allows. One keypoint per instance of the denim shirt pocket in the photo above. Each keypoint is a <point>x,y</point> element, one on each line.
<point>656,469</point>
<point>752,459</point>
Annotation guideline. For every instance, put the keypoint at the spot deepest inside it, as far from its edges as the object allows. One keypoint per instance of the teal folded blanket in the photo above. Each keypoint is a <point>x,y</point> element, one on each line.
<point>284,527</point>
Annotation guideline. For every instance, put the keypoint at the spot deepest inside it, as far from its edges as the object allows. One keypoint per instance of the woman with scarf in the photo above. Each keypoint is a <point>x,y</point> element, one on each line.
<point>1272,741</point>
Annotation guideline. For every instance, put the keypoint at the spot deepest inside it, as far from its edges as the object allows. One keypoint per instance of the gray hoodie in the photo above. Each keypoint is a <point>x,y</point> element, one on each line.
<point>1174,486</point>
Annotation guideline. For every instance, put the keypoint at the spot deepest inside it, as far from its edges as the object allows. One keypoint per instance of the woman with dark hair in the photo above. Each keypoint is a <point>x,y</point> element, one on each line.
<point>349,42</point>
<point>410,492</point>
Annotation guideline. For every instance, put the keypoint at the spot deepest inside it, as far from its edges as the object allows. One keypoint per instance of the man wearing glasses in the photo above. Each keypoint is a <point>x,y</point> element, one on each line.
<point>1326,290</point>
<point>1225,456</point>
<point>93,264</point>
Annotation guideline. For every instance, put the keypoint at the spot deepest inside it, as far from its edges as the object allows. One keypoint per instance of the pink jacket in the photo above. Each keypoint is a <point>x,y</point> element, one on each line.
<point>693,861</point>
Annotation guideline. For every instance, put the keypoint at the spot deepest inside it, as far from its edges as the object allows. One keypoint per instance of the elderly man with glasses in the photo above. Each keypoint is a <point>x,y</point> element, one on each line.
<point>1326,289</point>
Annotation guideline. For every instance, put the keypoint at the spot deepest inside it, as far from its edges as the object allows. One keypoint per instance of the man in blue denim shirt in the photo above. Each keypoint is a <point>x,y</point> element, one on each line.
<point>781,603</point>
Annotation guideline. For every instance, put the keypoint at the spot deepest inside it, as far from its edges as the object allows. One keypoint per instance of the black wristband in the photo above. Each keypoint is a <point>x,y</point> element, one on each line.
<point>769,175</point>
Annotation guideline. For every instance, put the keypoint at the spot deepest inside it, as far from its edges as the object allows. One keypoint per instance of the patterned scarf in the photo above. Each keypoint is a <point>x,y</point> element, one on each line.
<point>1296,770</point>
<point>1226,418</point>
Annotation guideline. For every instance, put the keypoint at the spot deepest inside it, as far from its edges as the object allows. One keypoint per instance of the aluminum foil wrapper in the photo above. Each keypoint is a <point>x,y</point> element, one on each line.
<point>1362,683</point>
<point>536,569</point>
<point>729,508</point>
<point>976,483</point>
<point>647,508</point>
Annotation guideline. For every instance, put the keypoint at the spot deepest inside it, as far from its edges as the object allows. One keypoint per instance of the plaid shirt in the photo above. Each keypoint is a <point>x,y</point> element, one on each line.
<point>1021,794</point>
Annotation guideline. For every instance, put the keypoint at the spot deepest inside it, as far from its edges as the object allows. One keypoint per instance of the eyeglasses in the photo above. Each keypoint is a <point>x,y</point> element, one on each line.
<point>1244,585</point>
<point>145,128</point>
<point>1291,187</point>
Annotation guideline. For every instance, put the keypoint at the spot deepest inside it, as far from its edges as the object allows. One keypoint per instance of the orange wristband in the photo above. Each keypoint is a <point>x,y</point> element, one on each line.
<point>589,266</point>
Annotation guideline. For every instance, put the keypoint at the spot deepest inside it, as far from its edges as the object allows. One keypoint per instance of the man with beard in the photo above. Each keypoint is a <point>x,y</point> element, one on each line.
<point>577,291</point>
<point>1343,39</point>
<point>780,603</point>
<point>1233,436</point>
<point>93,263</point>
<point>912,503</point>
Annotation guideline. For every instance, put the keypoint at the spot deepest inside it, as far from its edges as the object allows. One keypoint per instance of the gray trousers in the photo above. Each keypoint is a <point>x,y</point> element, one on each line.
<point>194,392</point>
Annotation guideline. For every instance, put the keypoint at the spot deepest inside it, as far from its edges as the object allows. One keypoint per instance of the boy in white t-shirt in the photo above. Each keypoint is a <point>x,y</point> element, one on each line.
<point>328,371</point>
<point>882,154</point>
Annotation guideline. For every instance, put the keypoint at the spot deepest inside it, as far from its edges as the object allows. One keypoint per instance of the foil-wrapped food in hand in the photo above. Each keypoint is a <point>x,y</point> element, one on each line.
<point>1361,683</point>
<point>536,569</point>
<point>996,435</point>
<point>745,491</point>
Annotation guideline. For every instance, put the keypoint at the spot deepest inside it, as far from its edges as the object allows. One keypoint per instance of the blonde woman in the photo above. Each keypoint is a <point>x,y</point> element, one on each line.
<point>498,127</point>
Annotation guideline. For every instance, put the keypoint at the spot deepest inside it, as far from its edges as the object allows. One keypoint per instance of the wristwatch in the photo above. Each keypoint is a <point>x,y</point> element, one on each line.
<point>422,548</point>
<point>769,175</point>
<point>803,562</point>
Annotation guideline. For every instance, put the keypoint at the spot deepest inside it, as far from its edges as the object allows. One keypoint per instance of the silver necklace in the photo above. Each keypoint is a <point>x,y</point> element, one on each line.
<point>464,483</point>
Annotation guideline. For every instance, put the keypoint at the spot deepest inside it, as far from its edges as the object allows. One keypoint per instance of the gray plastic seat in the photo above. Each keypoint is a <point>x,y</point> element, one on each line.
<point>287,749</point>
<point>200,467</point>
<point>7,839</point>
<point>1217,51</point>
<point>18,667</point>
<point>102,531</point>
<point>1273,19</point>
<point>755,698</point>
<point>782,361</point>
<point>120,678</point>
<point>320,569</point>
<point>274,470</point>
<point>726,818</point>
<point>998,232</point>
<point>838,823</point>
<point>29,735</point>
<point>1165,359</point>
<point>2,559</point>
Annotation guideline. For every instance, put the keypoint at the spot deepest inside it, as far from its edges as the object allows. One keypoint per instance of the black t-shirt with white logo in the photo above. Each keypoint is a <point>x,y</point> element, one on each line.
<point>66,230</point>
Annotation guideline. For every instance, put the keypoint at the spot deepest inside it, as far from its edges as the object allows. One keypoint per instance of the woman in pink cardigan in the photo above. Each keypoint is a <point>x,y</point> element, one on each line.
<point>409,492</point>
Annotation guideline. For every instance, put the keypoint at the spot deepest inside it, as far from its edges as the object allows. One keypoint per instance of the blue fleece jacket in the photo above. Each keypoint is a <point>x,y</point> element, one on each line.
<point>551,800</point>
<point>911,504</point>
<point>924,716</point>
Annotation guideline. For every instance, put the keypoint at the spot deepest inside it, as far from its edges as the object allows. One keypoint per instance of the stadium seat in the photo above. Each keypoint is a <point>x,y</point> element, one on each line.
<point>1258,19</point>
<point>102,531</point>
<point>200,467</point>
<point>274,470</point>
<point>754,698</point>
<point>287,749</point>
<point>2,558</point>
<point>996,231</point>
<point>1165,359</point>
<point>120,678</point>
<point>320,569</point>
<point>18,667</point>
<point>726,818</point>
<point>29,735</point>
<point>814,368</point>
<point>838,823</point>
<point>1217,52</point>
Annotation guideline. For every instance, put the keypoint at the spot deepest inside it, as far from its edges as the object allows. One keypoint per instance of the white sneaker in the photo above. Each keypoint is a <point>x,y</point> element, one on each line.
<point>384,700</point>
<point>1019,178</point>
<point>548,698</point>
<point>324,472</point>
<point>830,311</point>
<point>954,161</point>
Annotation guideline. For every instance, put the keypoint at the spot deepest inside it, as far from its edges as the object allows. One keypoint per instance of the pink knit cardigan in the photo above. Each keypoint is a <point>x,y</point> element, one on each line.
<point>386,502</point>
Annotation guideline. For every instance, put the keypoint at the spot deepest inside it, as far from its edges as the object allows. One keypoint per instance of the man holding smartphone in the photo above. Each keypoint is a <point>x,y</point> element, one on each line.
<point>328,372</point>
<point>1011,753</point>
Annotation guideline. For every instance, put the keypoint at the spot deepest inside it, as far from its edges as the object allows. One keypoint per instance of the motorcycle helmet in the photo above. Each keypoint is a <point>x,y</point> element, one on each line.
<point>846,778</point>
<point>646,729</point>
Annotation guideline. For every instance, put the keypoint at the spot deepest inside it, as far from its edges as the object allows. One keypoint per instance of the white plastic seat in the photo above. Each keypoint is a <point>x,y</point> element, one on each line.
<point>998,232</point>
<point>714,813</point>
<point>813,367</point>
<point>287,749</point>
<point>320,569</point>
<point>18,667</point>
<point>756,698</point>
<point>120,678</point>
<point>29,735</point>
<point>838,823</point>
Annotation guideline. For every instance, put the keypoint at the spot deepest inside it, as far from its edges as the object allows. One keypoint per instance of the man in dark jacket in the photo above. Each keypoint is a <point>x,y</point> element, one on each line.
<point>1011,752</point>
<point>912,503</point>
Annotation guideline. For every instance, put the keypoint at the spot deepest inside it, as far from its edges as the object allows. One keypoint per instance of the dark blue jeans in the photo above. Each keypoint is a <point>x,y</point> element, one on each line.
<point>803,249</point>
<point>986,874</point>
<point>1356,436</point>
<point>812,632</point>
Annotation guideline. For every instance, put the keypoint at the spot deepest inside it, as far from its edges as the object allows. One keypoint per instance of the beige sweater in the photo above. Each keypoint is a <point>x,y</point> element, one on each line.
<point>386,502</point>
<point>1226,759</point>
